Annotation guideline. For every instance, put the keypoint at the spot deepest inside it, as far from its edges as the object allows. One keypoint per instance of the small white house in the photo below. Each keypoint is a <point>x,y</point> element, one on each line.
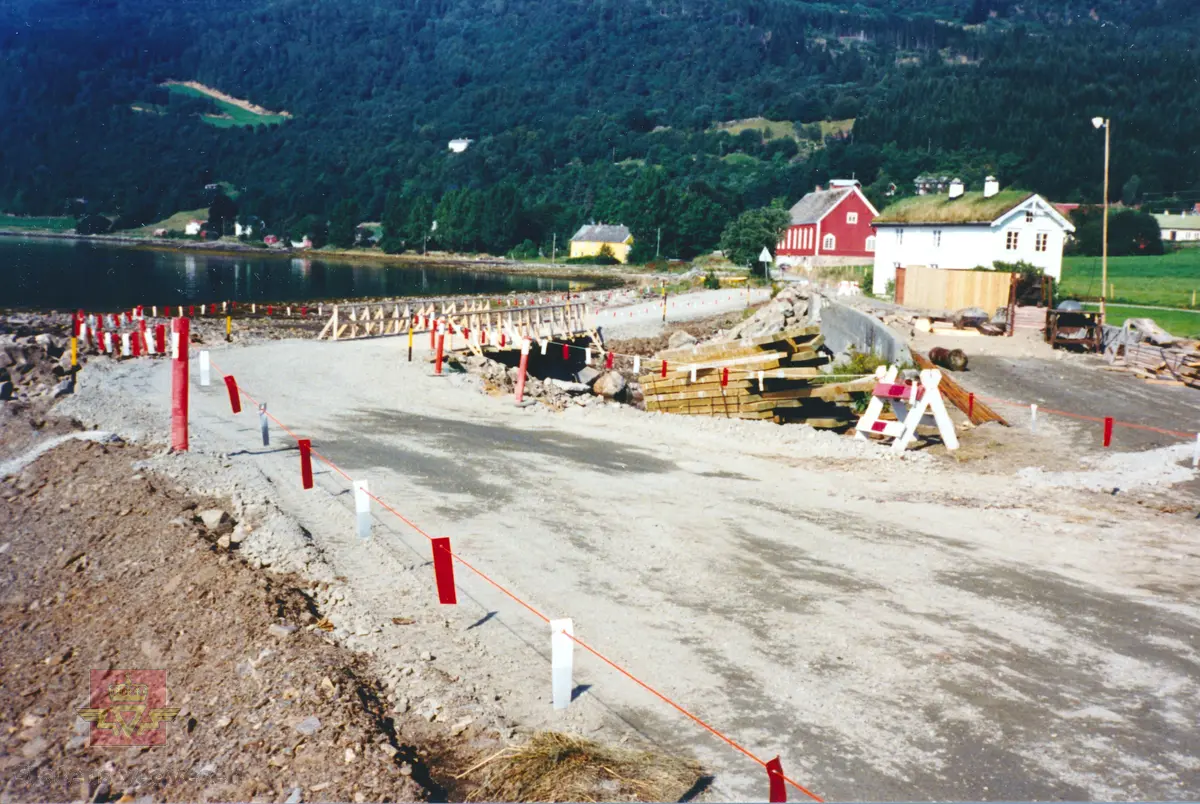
<point>962,230</point>
<point>460,145</point>
<point>193,227</point>
<point>1179,228</point>
<point>239,230</point>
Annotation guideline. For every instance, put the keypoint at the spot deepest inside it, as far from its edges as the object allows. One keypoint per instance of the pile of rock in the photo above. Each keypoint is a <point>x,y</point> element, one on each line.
<point>590,386</point>
<point>34,366</point>
<point>789,308</point>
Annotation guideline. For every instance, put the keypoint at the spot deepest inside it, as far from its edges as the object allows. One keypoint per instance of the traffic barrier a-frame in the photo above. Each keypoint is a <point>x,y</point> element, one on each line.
<point>915,403</point>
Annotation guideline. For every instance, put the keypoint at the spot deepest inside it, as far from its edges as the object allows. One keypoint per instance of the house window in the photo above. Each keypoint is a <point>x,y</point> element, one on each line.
<point>1042,241</point>
<point>937,238</point>
<point>899,237</point>
<point>829,242</point>
<point>1010,240</point>
<point>871,243</point>
<point>1029,216</point>
<point>933,265</point>
<point>851,217</point>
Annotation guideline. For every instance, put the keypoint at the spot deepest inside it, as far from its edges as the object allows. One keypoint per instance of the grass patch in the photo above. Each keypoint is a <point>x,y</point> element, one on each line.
<point>47,224</point>
<point>776,129</point>
<point>740,160</point>
<point>232,115</point>
<point>1180,323</point>
<point>558,767</point>
<point>177,222</point>
<point>1166,281</point>
<point>839,127</point>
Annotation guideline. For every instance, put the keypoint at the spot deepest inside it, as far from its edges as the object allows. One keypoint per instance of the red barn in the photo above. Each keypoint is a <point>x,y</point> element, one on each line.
<point>830,227</point>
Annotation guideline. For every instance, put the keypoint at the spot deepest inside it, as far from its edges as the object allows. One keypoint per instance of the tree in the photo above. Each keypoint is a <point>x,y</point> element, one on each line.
<point>1130,232</point>
<point>222,213</point>
<point>1131,191</point>
<point>343,222</point>
<point>747,235</point>
<point>93,224</point>
<point>393,240</point>
<point>418,222</point>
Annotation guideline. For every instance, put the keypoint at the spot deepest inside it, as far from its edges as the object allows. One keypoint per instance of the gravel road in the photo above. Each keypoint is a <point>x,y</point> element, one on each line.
<point>644,320</point>
<point>893,629</point>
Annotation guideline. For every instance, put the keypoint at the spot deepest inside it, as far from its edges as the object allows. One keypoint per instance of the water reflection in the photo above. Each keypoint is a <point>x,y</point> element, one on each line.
<point>68,274</point>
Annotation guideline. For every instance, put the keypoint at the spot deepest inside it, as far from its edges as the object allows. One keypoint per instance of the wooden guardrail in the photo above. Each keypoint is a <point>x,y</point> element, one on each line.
<point>539,321</point>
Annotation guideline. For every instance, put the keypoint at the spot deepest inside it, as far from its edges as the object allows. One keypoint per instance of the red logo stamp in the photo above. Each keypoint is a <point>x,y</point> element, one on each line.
<point>128,707</point>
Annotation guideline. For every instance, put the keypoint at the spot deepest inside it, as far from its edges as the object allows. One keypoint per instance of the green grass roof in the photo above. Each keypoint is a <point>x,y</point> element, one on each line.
<point>967,208</point>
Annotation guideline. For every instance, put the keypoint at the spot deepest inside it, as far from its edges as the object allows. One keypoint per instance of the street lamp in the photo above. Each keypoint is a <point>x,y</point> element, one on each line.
<point>1104,123</point>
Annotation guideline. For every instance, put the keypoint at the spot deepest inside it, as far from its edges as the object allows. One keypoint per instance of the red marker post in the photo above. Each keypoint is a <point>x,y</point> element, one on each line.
<point>160,338</point>
<point>520,392</point>
<point>724,376</point>
<point>608,361</point>
<point>777,788</point>
<point>179,387</point>
<point>235,402</point>
<point>443,571</point>
<point>566,352</point>
<point>441,345</point>
<point>1108,428</point>
<point>664,369</point>
<point>305,463</point>
<point>970,406</point>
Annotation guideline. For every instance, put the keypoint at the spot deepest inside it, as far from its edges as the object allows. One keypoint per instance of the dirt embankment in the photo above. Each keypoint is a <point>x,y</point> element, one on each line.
<point>107,567</point>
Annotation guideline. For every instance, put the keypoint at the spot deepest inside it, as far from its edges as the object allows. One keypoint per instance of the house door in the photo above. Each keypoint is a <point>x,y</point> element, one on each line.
<point>899,286</point>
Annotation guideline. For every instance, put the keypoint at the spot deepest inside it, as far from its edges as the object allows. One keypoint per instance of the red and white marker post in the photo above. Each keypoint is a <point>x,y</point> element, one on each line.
<point>179,385</point>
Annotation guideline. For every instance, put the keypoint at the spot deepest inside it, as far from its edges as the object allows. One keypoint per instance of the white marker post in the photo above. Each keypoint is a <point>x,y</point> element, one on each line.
<point>174,345</point>
<point>637,365</point>
<point>1196,452</point>
<point>262,423</point>
<point>362,508</point>
<point>562,658</point>
<point>1033,418</point>
<point>125,349</point>
<point>693,373</point>
<point>204,368</point>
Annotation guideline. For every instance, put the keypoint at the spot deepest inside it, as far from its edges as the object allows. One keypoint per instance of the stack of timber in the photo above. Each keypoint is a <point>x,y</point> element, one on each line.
<point>775,377</point>
<point>1161,365</point>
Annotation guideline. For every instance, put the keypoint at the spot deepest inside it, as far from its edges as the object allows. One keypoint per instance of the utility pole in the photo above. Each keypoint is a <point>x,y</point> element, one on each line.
<point>554,250</point>
<point>658,245</point>
<point>1106,124</point>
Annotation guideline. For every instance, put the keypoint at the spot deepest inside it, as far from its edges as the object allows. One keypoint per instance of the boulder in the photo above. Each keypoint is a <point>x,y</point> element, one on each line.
<point>587,375</point>
<point>63,388</point>
<point>680,339</point>
<point>609,384</point>
<point>213,518</point>
<point>569,387</point>
<point>6,390</point>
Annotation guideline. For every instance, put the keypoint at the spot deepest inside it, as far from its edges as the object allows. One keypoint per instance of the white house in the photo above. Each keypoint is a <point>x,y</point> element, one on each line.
<point>239,230</point>
<point>1179,228</point>
<point>459,145</point>
<point>192,227</point>
<point>961,230</point>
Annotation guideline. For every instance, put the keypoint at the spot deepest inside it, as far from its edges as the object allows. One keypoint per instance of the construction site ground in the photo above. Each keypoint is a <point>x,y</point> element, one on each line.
<point>993,625</point>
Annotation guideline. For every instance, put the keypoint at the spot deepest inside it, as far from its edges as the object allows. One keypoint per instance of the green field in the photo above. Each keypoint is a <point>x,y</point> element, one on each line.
<point>1166,281</point>
<point>41,224</point>
<point>1182,323</point>
<point>231,115</point>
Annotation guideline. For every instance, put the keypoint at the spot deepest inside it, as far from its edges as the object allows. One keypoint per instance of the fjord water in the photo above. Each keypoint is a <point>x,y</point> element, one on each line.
<point>42,274</point>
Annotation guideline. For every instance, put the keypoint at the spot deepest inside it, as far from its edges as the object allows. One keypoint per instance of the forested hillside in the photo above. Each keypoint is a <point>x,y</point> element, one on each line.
<point>582,109</point>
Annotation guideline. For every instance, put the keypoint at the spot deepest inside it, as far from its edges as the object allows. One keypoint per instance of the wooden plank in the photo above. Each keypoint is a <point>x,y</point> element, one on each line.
<point>799,334</point>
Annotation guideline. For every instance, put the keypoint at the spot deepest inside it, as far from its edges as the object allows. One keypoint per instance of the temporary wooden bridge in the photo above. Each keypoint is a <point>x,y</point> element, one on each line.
<point>471,323</point>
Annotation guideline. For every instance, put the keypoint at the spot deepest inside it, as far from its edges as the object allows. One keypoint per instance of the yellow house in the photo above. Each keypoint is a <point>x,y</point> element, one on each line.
<point>588,241</point>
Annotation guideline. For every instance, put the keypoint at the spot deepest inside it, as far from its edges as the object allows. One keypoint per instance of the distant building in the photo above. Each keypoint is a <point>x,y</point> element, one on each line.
<point>829,227</point>
<point>271,240</point>
<point>588,241</point>
<point>193,227</point>
<point>239,229</point>
<point>926,184</point>
<point>460,145</point>
<point>160,232</point>
<point>962,230</point>
<point>1180,228</point>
